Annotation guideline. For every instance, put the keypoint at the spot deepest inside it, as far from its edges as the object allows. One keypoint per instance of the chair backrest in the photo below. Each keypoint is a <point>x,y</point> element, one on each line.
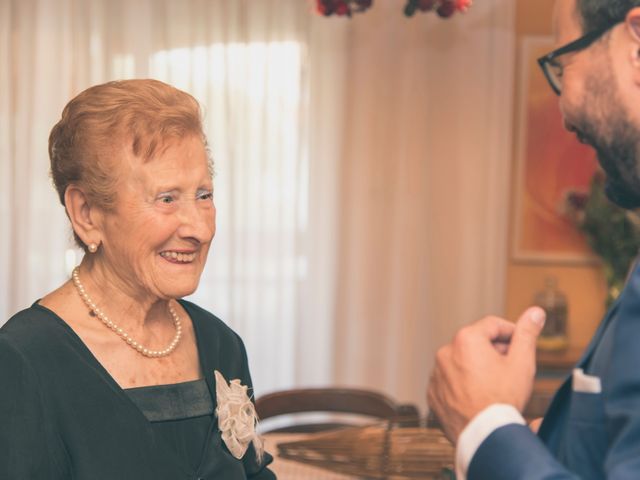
<point>332,400</point>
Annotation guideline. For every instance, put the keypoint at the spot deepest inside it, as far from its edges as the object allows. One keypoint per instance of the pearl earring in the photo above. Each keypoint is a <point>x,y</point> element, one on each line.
<point>93,247</point>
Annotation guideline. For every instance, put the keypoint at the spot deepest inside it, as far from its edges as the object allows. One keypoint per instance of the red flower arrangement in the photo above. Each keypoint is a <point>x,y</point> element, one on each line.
<point>444,8</point>
<point>342,7</point>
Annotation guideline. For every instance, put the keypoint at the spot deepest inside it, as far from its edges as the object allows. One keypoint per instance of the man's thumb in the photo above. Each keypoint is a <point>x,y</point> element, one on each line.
<point>525,335</point>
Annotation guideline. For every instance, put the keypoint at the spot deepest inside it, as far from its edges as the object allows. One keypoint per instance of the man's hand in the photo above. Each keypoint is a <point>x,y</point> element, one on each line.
<point>534,425</point>
<point>490,361</point>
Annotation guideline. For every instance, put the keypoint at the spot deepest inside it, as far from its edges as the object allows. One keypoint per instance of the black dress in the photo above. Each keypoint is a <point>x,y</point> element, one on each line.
<point>63,416</point>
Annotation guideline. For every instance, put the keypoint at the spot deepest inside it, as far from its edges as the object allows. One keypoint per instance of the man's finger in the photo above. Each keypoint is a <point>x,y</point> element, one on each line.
<point>501,347</point>
<point>495,329</point>
<point>527,330</point>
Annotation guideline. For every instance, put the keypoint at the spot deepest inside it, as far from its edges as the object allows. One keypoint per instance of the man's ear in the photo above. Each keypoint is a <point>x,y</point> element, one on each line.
<point>632,23</point>
<point>84,217</point>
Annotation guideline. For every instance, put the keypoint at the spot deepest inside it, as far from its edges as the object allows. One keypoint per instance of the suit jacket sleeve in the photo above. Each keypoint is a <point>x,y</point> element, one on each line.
<point>513,452</point>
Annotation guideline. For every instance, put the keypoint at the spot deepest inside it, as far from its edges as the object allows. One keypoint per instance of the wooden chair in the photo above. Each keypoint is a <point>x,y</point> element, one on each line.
<point>364,404</point>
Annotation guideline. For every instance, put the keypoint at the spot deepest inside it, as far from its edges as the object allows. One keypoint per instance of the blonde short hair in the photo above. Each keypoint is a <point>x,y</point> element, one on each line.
<point>104,120</point>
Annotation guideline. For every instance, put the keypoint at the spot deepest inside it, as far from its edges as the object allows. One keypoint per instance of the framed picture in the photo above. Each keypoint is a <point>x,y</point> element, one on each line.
<point>551,164</point>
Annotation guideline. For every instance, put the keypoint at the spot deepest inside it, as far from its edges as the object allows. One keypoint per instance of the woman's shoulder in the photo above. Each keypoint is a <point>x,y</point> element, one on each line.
<point>32,329</point>
<point>217,339</point>
<point>206,321</point>
<point>220,347</point>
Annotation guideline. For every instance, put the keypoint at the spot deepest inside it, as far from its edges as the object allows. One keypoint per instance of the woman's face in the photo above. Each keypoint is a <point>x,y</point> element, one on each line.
<point>155,243</point>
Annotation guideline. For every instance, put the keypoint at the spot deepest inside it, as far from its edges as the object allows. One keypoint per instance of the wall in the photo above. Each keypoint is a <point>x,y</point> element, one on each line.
<point>584,285</point>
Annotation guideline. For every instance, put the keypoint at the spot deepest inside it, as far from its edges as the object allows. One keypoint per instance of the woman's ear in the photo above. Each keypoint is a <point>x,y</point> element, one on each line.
<point>632,23</point>
<point>85,218</point>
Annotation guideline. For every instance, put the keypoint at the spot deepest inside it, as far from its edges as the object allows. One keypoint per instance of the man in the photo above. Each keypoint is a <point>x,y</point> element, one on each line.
<point>483,379</point>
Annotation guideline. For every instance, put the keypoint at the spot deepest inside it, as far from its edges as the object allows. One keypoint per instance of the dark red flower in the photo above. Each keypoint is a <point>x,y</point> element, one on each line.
<point>325,7</point>
<point>446,9</point>
<point>426,5</point>
<point>342,8</point>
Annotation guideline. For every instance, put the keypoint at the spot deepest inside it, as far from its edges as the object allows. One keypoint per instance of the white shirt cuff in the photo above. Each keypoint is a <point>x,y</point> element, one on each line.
<point>478,429</point>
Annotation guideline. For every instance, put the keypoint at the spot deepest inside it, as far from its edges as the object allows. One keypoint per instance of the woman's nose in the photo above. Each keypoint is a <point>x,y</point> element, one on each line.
<point>197,221</point>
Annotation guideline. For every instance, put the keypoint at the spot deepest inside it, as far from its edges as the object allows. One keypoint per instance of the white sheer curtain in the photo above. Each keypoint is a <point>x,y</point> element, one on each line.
<point>36,80</point>
<point>248,64</point>
<point>6,162</point>
<point>423,228</point>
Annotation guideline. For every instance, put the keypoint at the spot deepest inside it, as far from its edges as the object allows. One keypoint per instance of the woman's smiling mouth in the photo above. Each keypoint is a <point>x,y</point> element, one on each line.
<point>178,257</point>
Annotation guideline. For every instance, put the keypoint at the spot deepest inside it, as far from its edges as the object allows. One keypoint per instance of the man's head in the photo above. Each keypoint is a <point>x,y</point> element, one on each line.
<point>597,14</point>
<point>599,86</point>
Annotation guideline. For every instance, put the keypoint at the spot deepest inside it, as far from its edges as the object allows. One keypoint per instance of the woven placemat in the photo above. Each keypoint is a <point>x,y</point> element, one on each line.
<point>376,451</point>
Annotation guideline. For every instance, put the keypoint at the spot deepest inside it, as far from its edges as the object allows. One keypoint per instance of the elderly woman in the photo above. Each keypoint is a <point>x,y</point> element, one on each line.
<point>113,375</point>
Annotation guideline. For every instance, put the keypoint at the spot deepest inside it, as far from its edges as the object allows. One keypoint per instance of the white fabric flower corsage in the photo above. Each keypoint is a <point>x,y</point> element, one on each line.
<point>237,417</point>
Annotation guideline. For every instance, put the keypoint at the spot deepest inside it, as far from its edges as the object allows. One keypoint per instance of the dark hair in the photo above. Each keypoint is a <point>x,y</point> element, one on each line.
<point>597,14</point>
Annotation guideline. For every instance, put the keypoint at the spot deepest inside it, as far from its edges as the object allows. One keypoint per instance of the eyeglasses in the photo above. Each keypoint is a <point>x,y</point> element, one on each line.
<point>553,69</point>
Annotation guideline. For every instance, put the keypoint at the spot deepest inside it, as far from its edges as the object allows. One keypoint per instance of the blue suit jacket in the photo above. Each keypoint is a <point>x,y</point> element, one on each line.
<point>583,435</point>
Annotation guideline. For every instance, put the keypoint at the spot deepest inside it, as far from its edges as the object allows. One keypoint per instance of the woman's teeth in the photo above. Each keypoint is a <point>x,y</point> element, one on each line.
<point>180,257</point>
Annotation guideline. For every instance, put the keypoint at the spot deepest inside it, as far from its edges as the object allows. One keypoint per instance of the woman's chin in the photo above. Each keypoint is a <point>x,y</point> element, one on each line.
<point>177,288</point>
<point>180,292</point>
<point>178,280</point>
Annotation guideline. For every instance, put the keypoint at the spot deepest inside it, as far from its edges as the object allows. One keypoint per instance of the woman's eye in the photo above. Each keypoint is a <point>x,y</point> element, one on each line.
<point>166,199</point>
<point>205,195</point>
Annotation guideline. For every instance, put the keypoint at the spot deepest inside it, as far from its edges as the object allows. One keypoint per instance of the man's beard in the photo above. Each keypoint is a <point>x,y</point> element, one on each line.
<point>618,160</point>
<point>612,133</point>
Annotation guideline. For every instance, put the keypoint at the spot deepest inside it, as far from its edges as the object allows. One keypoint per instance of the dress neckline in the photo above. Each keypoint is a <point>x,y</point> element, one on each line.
<point>178,401</point>
<point>105,373</point>
<point>122,394</point>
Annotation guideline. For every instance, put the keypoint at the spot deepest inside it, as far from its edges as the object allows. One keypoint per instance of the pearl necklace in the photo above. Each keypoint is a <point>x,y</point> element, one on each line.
<point>95,311</point>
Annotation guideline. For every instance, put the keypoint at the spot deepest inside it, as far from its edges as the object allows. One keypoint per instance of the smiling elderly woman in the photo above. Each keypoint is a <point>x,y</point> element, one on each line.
<point>112,374</point>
